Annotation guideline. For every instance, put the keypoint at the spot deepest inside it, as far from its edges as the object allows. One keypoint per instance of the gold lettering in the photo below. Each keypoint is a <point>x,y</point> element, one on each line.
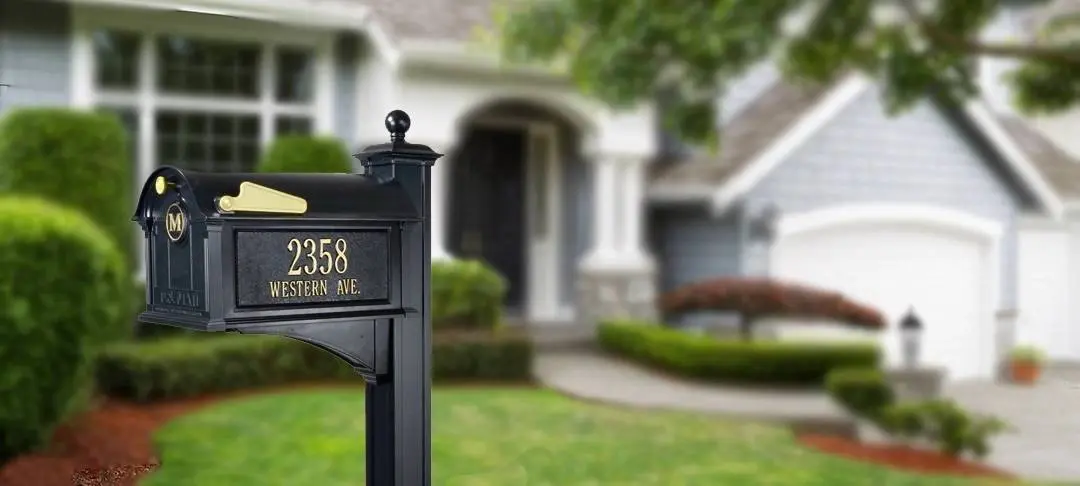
<point>283,289</point>
<point>348,286</point>
<point>324,262</point>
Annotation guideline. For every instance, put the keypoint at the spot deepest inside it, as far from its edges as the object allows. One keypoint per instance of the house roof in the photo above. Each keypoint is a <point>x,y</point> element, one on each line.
<point>785,115</point>
<point>1060,170</point>
<point>754,129</point>
<point>454,20</point>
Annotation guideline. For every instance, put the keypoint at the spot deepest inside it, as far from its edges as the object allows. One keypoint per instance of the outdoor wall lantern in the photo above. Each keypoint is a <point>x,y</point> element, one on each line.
<point>339,261</point>
<point>911,329</point>
<point>763,223</point>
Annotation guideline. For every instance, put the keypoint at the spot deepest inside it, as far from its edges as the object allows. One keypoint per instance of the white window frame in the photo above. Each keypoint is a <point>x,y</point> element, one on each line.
<point>146,100</point>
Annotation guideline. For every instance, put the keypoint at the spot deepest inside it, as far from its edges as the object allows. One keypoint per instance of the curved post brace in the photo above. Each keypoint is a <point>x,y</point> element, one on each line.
<point>363,344</point>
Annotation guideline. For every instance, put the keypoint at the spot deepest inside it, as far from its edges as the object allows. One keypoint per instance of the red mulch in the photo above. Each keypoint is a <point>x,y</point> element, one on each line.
<point>901,457</point>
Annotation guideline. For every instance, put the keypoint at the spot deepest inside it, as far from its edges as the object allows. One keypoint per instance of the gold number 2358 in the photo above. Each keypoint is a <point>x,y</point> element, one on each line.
<point>310,256</point>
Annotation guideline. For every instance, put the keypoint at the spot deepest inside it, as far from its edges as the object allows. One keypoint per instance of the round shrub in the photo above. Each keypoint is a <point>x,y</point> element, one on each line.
<point>466,294</point>
<point>757,298</point>
<point>75,158</point>
<point>296,153</point>
<point>64,292</point>
<point>862,391</point>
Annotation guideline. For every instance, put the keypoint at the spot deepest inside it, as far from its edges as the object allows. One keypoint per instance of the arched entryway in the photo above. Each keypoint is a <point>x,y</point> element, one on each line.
<point>514,190</point>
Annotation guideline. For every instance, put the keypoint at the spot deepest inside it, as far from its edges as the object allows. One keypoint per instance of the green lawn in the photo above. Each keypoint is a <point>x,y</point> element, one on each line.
<point>497,437</point>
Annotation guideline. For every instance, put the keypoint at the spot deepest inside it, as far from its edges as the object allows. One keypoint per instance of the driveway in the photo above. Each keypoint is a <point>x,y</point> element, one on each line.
<point>1046,417</point>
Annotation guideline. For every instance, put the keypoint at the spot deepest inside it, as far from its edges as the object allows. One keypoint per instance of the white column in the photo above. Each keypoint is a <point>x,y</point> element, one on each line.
<point>633,209</point>
<point>605,179</point>
<point>440,207</point>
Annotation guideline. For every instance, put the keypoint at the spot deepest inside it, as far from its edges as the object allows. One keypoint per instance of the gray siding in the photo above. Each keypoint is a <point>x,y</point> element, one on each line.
<point>921,157</point>
<point>692,245</point>
<point>35,54</point>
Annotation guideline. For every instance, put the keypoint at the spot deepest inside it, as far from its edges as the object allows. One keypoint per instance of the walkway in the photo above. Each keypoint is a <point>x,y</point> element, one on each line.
<point>590,375</point>
<point>1046,417</point>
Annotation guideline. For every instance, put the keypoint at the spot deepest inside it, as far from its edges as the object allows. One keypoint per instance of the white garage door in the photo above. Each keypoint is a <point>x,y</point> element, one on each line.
<point>894,266</point>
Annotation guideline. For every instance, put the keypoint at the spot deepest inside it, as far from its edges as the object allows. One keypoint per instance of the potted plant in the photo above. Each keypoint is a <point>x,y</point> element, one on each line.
<point>1025,364</point>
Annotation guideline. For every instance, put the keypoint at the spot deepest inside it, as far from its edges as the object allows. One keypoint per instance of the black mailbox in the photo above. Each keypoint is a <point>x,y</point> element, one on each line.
<point>225,251</point>
<point>340,261</point>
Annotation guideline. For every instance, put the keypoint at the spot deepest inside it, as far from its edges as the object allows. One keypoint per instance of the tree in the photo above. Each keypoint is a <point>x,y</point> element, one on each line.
<point>686,52</point>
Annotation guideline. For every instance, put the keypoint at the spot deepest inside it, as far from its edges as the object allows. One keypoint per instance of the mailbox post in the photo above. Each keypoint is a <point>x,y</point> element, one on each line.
<point>339,261</point>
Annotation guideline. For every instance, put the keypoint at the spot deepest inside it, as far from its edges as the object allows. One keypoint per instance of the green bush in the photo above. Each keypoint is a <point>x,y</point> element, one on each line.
<point>704,357</point>
<point>184,366</point>
<point>78,159</point>
<point>466,294</point>
<point>862,391</point>
<point>63,293</point>
<point>954,430</point>
<point>296,153</point>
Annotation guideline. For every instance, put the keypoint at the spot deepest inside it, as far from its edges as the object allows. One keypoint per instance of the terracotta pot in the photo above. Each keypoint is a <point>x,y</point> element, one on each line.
<point>1024,372</point>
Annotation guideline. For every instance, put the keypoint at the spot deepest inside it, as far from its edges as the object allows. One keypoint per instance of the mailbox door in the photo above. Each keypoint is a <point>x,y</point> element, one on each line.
<point>176,250</point>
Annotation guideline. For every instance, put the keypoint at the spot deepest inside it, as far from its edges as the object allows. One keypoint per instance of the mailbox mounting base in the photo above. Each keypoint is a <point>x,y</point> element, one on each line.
<point>362,343</point>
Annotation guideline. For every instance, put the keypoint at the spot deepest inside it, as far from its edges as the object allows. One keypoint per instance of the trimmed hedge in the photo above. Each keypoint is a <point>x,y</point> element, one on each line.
<point>704,357</point>
<point>74,158</point>
<point>63,293</point>
<point>185,366</point>
<point>466,294</point>
<point>757,298</point>
<point>300,153</point>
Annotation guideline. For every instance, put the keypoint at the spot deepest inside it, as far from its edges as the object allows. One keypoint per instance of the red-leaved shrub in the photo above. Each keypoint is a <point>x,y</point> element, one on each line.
<point>757,298</point>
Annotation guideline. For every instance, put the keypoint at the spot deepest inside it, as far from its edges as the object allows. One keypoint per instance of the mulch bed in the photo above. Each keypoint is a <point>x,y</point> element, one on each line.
<point>901,457</point>
<point>112,446</point>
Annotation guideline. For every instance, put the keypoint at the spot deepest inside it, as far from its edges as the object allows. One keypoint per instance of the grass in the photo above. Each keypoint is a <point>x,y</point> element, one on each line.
<point>496,437</point>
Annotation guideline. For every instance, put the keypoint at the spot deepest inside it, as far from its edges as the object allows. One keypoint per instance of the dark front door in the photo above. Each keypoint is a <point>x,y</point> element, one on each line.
<point>488,210</point>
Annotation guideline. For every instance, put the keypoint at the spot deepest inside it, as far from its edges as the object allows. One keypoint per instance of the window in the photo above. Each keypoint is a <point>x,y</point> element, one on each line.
<point>197,67</point>
<point>213,103</point>
<point>117,55</point>
<point>295,73</point>
<point>207,142</point>
<point>293,125</point>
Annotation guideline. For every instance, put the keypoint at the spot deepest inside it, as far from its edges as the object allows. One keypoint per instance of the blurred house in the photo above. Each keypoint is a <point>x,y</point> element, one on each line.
<point>586,211</point>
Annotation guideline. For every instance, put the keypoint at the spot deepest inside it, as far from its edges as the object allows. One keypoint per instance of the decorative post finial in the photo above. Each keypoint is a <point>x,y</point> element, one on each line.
<point>397,123</point>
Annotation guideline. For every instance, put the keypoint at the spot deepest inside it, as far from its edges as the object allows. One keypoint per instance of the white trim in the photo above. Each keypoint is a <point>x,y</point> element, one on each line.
<point>544,270</point>
<point>328,14</point>
<point>780,150</point>
<point>912,214</point>
<point>988,232</point>
<point>1014,156</point>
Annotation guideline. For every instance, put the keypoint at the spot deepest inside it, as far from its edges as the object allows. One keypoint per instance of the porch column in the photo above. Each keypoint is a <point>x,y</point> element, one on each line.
<point>617,275</point>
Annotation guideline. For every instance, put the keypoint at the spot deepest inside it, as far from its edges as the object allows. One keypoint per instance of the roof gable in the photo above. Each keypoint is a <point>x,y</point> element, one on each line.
<point>785,116</point>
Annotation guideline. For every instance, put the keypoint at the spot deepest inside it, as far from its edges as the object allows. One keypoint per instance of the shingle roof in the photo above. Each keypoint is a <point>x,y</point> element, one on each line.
<point>753,130</point>
<point>455,20</point>
<point>1059,169</point>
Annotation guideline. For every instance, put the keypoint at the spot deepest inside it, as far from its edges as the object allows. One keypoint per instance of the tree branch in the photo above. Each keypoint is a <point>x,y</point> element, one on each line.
<point>1021,51</point>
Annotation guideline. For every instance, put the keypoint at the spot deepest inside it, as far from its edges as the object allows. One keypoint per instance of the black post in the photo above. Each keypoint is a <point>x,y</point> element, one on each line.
<point>398,404</point>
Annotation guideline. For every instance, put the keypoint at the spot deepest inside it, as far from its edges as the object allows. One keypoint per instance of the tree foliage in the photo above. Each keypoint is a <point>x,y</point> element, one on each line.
<point>687,52</point>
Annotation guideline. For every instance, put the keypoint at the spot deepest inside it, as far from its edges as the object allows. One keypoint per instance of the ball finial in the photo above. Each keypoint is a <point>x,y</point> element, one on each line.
<point>397,123</point>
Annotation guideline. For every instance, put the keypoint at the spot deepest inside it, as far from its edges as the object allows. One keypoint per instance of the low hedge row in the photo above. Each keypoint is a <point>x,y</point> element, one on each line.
<point>705,357</point>
<point>186,366</point>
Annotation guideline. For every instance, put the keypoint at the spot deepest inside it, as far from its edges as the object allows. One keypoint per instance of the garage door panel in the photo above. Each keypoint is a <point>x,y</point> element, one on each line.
<point>895,268</point>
